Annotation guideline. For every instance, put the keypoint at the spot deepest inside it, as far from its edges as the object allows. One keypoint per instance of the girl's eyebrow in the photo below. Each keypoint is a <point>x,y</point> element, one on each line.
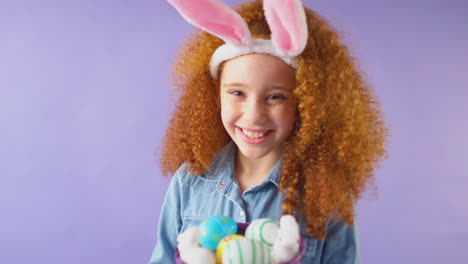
<point>280,87</point>
<point>234,85</point>
<point>271,87</point>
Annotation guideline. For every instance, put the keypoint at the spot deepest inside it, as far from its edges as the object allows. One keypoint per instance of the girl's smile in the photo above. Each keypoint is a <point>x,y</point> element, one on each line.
<point>252,136</point>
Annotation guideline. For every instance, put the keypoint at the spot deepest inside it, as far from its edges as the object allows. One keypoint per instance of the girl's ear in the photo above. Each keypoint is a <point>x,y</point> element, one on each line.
<point>217,89</point>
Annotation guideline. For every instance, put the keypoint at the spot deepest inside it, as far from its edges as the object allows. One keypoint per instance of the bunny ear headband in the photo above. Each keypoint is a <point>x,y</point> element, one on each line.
<point>286,19</point>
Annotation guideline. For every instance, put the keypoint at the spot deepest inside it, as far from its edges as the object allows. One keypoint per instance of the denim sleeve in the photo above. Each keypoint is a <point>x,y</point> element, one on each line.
<point>341,244</point>
<point>170,222</point>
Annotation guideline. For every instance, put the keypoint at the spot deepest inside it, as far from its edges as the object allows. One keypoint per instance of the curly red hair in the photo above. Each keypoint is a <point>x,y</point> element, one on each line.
<point>338,140</point>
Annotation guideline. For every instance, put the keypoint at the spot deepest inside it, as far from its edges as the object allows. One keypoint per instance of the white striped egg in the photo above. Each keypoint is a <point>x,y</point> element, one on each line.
<point>245,251</point>
<point>264,230</point>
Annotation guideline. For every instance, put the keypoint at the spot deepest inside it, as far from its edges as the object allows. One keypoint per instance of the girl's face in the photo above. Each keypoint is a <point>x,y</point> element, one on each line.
<point>257,104</point>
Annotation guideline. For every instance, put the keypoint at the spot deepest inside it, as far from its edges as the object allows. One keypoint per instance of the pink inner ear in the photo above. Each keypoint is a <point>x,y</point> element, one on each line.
<point>281,36</point>
<point>216,18</point>
<point>224,30</point>
<point>288,25</point>
<point>292,23</point>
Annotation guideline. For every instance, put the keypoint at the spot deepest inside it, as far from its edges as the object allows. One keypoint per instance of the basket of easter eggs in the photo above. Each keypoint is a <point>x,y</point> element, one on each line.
<point>220,239</point>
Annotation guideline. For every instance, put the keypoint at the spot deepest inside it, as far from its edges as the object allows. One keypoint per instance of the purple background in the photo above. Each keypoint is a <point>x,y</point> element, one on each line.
<point>85,100</point>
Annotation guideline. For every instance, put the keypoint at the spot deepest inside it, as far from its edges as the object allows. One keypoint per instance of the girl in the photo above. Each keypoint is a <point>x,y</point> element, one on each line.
<point>276,120</point>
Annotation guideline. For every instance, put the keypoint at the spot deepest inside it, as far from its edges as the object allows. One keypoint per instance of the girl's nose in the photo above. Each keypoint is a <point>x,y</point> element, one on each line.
<point>254,111</point>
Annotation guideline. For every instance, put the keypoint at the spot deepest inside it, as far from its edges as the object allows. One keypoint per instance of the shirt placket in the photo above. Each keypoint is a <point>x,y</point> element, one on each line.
<point>229,190</point>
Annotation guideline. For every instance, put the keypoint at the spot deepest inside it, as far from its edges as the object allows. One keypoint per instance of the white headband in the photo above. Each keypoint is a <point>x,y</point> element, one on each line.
<point>286,19</point>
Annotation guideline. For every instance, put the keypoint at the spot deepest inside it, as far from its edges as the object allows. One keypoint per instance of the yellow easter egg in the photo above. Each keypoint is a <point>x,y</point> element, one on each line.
<point>222,244</point>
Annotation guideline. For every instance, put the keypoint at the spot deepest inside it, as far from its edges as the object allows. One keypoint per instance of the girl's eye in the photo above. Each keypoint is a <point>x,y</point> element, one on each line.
<point>236,93</point>
<point>276,97</point>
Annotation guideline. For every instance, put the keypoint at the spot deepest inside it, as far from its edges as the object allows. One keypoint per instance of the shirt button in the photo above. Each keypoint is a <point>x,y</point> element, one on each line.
<point>221,185</point>
<point>241,213</point>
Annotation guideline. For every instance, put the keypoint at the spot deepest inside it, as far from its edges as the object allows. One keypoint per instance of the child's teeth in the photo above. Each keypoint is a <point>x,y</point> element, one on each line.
<point>253,134</point>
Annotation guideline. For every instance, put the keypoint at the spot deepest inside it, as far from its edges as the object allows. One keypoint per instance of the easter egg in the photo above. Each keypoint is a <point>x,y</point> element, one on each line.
<point>222,244</point>
<point>213,229</point>
<point>243,250</point>
<point>264,230</point>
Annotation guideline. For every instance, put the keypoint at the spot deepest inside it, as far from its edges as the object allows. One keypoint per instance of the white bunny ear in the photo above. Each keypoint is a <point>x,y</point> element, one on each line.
<point>288,25</point>
<point>215,18</point>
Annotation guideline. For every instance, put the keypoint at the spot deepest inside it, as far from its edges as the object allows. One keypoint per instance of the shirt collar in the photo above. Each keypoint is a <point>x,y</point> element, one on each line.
<point>224,166</point>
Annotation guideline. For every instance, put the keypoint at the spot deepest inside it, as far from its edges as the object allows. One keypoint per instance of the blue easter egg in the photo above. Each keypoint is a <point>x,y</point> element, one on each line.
<point>228,224</point>
<point>213,229</point>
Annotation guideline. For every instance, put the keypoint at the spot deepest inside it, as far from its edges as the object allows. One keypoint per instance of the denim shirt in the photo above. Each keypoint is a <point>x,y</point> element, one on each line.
<point>191,199</point>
